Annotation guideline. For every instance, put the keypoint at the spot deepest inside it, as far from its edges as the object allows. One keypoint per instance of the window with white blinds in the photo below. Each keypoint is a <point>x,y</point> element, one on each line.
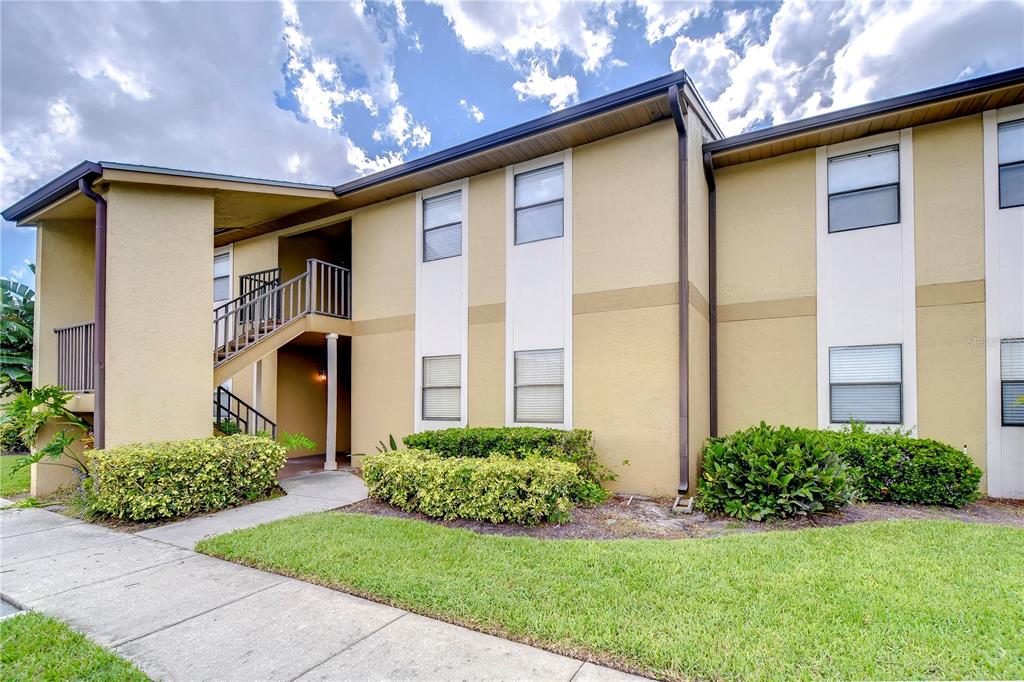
<point>222,277</point>
<point>1011,164</point>
<point>864,189</point>
<point>442,387</point>
<point>866,384</point>
<point>539,386</point>
<point>538,203</point>
<point>1011,362</point>
<point>442,226</point>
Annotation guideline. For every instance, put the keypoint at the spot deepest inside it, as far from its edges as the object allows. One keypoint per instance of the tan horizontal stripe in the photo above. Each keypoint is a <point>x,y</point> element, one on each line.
<point>953,293</point>
<point>698,302</point>
<point>805,306</point>
<point>384,325</point>
<point>624,299</point>
<point>484,314</point>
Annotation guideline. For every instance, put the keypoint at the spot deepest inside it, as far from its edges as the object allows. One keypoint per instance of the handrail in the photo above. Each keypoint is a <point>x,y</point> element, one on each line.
<point>76,347</point>
<point>261,283</point>
<point>229,407</point>
<point>323,289</point>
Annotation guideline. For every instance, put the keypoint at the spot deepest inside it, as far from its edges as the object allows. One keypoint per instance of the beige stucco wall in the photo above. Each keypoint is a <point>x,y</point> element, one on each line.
<point>159,341</point>
<point>65,264</point>
<point>383,301</point>
<point>625,304</point>
<point>949,216</point>
<point>302,404</point>
<point>766,292</point>
<point>486,342</point>
<point>950,262</point>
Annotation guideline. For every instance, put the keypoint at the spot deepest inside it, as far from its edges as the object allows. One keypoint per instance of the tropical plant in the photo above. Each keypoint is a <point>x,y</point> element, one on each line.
<point>391,445</point>
<point>16,319</point>
<point>291,441</point>
<point>30,410</point>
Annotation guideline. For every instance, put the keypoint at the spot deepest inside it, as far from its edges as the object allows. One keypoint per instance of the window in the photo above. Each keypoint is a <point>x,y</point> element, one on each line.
<point>866,384</point>
<point>539,386</point>
<point>222,277</point>
<point>442,387</point>
<point>539,204</point>
<point>1011,164</point>
<point>1011,354</point>
<point>442,226</point>
<point>864,189</point>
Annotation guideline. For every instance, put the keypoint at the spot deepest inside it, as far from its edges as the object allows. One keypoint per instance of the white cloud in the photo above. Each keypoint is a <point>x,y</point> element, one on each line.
<point>472,110</point>
<point>559,92</point>
<point>666,19</point>
<point>401,128</point>
<point>130,83</point>
<point>513,31</point>
<point>816,56</point>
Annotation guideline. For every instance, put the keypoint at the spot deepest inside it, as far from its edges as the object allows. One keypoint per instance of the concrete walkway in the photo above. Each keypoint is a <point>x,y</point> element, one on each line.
<point>179,615</point>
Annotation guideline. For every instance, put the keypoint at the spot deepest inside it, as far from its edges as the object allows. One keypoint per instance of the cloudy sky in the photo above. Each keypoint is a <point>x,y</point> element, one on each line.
<point>326,92</point>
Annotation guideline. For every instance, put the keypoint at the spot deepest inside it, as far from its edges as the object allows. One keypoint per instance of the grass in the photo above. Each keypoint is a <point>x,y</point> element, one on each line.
<point>886,600</point>
<point>37,647</point>
<point>16,483</point>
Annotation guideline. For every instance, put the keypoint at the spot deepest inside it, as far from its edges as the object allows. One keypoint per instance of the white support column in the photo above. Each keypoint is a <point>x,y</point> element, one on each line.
<point>257,389</point>
<point>330,462</point>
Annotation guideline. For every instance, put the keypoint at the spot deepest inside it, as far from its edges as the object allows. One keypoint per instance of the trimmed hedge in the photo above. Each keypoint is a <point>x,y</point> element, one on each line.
<point>763,473</point>
<point>498,489</point>
<point>893,467</point>
<point>575,445</point>
<point>148,481</point>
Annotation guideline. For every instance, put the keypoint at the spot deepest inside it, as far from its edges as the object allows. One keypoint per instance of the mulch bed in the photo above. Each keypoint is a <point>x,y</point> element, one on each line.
<point>641,517</point>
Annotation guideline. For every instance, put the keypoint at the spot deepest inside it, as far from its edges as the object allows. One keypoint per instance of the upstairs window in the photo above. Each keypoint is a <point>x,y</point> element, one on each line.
<point>442,226</point>
<point>1011,164</point>
<point>864,189</point>
<point>1011,361</point>
<point>221,277</point>
<point>442,388</point>
<point>866,384</point>
<point>538,204</point>
<point>539,386</point>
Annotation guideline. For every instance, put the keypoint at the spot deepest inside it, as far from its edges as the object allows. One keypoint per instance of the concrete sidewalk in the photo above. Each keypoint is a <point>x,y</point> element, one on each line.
<point>306,493</point>
<point>179,615</point>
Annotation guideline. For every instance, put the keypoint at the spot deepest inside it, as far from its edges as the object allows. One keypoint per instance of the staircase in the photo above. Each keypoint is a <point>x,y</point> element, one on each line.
<point>268,305</point>
<point>231,413</point>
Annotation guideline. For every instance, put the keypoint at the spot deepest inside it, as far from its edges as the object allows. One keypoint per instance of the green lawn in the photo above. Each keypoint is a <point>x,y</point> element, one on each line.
<point>36,647</point>
<point>16,483</point>
<point>887,600</point>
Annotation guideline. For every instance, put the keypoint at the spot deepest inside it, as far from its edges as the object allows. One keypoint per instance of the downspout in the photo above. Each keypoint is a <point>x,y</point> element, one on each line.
<point>100,339</point>
<point>709,177</point>
<point>678,109</point>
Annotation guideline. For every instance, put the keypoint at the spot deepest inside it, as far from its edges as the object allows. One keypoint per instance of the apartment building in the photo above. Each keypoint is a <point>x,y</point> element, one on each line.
<point>618,266</point>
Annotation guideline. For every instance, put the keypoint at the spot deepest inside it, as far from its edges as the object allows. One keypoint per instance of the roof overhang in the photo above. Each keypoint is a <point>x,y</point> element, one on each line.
<point>914,109</point>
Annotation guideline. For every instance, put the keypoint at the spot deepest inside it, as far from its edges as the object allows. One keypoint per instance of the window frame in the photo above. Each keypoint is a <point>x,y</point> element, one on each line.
<point>424,388</point>
<point>517,209</point>
<point>833,384</point>
<point>426,229</point>
<point>829,194</point>
<point>1009,164</point>
<point>228,255</point>
<point>1003,382</point>
<point>516,386</point>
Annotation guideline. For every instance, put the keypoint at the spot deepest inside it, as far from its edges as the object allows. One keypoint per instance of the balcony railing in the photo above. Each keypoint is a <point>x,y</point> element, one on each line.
<point>76,370</point>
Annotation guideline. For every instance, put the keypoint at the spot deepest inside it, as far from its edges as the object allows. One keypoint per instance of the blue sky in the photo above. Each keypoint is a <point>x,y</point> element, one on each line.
<point>325,92</point>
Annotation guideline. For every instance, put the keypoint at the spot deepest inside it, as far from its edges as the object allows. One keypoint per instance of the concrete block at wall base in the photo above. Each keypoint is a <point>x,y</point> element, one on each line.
<point>48,477</point>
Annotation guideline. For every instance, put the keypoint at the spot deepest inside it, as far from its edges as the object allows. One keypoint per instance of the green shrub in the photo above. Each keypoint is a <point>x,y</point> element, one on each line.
<point>575,445</point>
<point>10,438</point>
<point>163,480</point>
<point>763,473</point>
<point>499,489</point>
<point>893,467</point>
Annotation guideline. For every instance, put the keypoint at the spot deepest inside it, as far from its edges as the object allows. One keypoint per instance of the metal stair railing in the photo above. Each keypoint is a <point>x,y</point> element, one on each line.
<point>228,408</point>
<point>323,289</point>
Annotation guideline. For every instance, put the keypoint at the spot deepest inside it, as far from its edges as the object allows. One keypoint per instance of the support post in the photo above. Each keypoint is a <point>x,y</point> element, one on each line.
<point>330,461</point>
<point>257,390</point>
